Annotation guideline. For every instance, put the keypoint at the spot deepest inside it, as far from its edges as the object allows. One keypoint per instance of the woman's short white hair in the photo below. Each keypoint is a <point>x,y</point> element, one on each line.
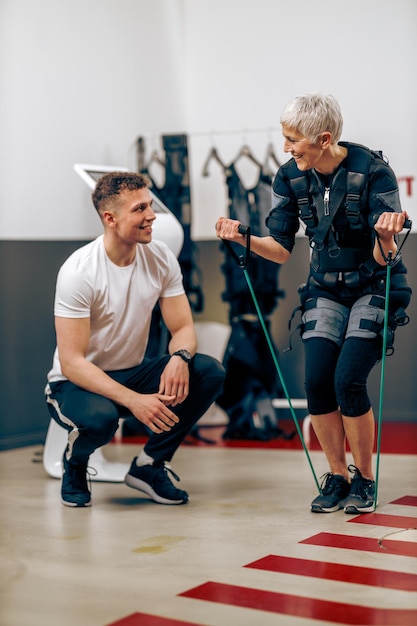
<point>313,114</point>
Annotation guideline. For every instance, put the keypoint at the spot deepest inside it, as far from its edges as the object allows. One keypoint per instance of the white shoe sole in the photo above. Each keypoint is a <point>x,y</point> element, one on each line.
<point>140,485</point>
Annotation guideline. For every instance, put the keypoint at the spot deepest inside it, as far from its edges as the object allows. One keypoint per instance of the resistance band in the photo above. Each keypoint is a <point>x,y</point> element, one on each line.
<point>389,261</point>
<point>243,263</point>
<point>382,383</point>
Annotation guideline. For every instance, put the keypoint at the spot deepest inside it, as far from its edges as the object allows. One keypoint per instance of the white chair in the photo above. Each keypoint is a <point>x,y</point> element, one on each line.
<point>55,444</point>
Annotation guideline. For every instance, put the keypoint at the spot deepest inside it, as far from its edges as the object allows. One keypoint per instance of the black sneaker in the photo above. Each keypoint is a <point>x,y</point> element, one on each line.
<point>74,488</point>
<point>361,497</point>
<point>154,481</point>
<point>334,490</point>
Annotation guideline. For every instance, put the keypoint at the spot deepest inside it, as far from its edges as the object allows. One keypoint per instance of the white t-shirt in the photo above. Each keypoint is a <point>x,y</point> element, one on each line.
<point>118,300</point>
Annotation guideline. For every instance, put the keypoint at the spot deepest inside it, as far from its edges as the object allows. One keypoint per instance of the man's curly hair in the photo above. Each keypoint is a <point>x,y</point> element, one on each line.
<point>113,184</point>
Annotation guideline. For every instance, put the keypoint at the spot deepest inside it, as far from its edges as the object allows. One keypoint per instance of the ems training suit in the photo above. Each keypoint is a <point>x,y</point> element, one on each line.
<point>343,300</point>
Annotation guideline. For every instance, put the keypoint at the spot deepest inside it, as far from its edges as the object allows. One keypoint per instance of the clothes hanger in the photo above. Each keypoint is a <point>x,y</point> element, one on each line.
<point>155,158</point>
<point>245,151</point>
<point>212,155</point>
<point>244,174</point>
<point>156,169</point>
<point>270,155</point>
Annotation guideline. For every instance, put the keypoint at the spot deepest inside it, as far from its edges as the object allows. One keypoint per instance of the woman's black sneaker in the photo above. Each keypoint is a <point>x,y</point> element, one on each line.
<point>361,497</point>
<point>334,490</point>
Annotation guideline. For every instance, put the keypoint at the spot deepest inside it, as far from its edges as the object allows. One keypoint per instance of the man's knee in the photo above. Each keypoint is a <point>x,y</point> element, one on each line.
<point>206,367</point>
<point>90,414</point>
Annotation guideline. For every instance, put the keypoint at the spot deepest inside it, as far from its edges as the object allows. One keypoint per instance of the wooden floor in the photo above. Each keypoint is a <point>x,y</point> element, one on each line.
<point>245,551</point>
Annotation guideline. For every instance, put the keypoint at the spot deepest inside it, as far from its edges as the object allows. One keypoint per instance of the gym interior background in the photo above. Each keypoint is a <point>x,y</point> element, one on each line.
<point>81,81</point>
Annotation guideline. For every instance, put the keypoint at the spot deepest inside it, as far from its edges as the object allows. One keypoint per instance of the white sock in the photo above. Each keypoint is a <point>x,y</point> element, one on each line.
<point>144,459</point>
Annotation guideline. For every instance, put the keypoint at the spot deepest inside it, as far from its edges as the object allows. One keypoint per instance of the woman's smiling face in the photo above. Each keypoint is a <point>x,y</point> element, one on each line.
<point>305,153</point>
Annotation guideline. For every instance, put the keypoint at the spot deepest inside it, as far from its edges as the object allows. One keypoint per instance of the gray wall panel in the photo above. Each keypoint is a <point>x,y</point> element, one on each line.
<point>27,337</point>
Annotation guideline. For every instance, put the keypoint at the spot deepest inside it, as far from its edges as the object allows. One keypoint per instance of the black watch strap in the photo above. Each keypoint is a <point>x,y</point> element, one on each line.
<point>184,354</point>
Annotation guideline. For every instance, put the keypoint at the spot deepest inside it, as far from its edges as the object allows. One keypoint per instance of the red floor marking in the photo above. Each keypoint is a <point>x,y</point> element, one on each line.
<point>336,571</point>
<point>406,500</point>
<point>380,519</point>
<point>138,619</point>
<point>397,438</point>
<point>388,546</point>
<point>286,604</point>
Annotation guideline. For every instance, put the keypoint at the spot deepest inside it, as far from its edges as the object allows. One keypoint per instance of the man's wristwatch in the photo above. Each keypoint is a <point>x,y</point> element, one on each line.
<point>184,354</point>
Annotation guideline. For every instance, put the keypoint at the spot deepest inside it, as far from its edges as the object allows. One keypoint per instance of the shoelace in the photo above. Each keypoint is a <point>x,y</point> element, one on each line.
<point>327,481</point>
<point>359,483</point>
<point>169,469</point>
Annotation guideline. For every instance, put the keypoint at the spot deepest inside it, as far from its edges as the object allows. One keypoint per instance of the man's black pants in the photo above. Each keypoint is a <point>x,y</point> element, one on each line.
<point>92,420</point>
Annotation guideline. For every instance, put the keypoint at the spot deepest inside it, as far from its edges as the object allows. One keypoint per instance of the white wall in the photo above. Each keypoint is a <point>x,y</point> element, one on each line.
<point>246,60</point>
<point>80,80</point>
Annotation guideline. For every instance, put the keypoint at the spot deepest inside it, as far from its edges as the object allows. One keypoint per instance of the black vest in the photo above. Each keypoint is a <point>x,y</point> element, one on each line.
<point>336,218</point>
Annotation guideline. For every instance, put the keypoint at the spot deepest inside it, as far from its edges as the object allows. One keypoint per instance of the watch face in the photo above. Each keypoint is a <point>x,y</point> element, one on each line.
<point>184,354</point>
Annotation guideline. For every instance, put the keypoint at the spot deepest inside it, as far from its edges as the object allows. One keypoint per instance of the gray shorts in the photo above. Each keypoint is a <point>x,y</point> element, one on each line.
<point>331,320</point>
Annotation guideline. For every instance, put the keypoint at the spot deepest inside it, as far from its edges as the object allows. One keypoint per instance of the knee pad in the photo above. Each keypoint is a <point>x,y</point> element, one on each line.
<point>366,318</point>
<point>324,318</point>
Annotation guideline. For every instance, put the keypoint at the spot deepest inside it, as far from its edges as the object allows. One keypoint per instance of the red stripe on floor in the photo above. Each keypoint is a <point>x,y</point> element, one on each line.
<point>296,606</point>
<point>143,619</point>
<point>406,500</point>
<point>336,571</point>
<point>380,519</point>
<point>397,438</point>
<point>386,546</point>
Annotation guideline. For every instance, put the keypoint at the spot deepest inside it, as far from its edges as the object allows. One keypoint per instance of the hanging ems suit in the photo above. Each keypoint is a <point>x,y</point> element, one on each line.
<point>340,228</point>
<point>250,383</point>
<point>175,193</point>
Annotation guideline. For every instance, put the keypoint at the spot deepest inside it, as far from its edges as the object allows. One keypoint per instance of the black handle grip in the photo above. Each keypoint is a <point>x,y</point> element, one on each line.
<point>243,230</point>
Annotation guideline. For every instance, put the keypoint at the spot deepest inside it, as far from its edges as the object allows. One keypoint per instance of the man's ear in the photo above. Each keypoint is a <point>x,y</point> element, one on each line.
<point>109,218</point>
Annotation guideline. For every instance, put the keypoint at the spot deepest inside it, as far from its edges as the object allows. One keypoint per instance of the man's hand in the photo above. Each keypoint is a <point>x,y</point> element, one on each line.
<point>152,410</point>
<point>175,380</point>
